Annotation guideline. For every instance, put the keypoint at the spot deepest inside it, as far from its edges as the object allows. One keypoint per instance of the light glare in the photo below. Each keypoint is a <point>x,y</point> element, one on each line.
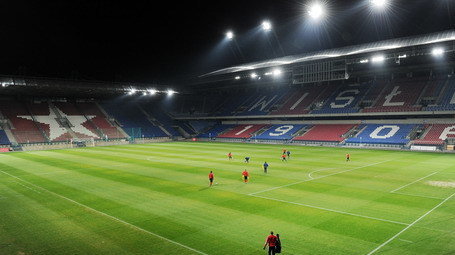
<point>378,59</point>
<point>316,11</point>
<point>437,52</point>
<point>229,35</point>
<point>266,25</point>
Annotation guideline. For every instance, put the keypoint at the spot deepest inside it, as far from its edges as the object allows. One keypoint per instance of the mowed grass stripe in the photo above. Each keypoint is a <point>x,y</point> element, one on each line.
<point>103,163</point>
<point>280,224</point>
<point>217,216</point>
<point>243,206</point>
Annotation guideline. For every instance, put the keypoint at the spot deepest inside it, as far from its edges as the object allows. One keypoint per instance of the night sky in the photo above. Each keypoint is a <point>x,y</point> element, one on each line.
<point>169,42</point>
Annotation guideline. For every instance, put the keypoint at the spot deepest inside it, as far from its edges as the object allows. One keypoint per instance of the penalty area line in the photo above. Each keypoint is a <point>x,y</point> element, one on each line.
<point>106,215</point>
<point>404,186</point>
<point>331,210</point>
<point>410,225</point>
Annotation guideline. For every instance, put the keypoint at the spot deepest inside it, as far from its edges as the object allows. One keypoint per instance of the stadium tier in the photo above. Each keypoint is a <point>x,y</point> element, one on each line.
<point>4,138</point>
<point>298,101</point>
<point>436,134</point>
<point>383,134</point>
<point>99,120</point>
<point>345,100</point>
<point>280,132</point>
<point>242,131</point>
<point>447,98</point>
<point>326,133</point>
<point>399,97</point>
<point>261,103</point>
<point>24,129</point>
<point>215,131</point>
<point>133,120</point>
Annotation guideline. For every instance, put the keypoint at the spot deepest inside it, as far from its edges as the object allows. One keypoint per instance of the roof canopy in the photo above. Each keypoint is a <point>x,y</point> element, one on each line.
<point>345,51</point>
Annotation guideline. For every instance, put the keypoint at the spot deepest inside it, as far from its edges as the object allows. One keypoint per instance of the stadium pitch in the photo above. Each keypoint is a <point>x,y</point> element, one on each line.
<point>155,199</point>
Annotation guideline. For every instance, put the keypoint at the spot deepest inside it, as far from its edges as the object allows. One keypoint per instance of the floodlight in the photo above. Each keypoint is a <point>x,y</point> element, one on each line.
<point>229,35</point>
<point>402,56</point>
<point>153,91</point>
<point>277,72</point>
<point>170,92</point>
<point>144,93</point>
<point>380,4</point>
<point>237,77</point>
<point>253,75</point>
<point>437,52</point>
<point>316,10</point>
<point>378,59</point>
<point>364,61</point>
<point>132,91</point>
<point>266,25</point>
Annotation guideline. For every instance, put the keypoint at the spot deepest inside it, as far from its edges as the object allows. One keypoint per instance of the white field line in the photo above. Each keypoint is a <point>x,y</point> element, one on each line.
<point>413,195</point>
<point>407,241</point>
<point>27,187</point>
<point>295,183</point>
<point>319,170</point>
<point>410,225</point>
<point>404,186</point>
<point>106,215</point>
<point>331,210</point>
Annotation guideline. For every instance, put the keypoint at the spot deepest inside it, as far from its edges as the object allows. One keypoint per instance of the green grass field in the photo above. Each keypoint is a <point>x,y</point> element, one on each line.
<point>154,199</point>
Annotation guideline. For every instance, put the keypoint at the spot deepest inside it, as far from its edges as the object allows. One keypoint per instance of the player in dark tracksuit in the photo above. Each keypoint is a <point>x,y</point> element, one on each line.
<point>265,167</point>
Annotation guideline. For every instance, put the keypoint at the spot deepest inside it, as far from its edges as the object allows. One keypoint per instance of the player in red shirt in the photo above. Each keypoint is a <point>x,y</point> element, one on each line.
<point>245,176</point>
<point>348,157</point>
<point>211,178</point>
<point>229,156</point>
<point>271,242</point>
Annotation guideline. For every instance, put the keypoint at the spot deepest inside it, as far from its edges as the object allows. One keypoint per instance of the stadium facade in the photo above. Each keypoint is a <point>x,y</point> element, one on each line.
<point>397,94</point>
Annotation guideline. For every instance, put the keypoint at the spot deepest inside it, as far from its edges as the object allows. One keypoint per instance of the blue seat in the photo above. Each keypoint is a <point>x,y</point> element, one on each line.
<point>383,134</point>
<point>280,132</point>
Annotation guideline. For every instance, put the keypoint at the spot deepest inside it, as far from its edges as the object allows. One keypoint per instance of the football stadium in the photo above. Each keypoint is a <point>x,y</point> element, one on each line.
<point>347,149</point>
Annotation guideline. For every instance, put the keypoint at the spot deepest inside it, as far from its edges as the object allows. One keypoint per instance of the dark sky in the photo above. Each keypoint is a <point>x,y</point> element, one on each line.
<point>169,41</point>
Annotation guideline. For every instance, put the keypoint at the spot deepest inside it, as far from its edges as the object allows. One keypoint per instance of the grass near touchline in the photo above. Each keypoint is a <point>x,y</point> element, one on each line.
<point>153,199</point>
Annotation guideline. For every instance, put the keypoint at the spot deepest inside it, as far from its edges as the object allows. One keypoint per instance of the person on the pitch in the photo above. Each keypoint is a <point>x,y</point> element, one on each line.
<point>265,167</point>
<point>211,177</point>
<point>284,151</point>
<point>288,153</point>
<point>278,244</point>
<point>271,242</point>
<point>247,159</point>
<point>245,175</point>
<point>283,157</point>
<point>348,157</point>
<point>229,155</point>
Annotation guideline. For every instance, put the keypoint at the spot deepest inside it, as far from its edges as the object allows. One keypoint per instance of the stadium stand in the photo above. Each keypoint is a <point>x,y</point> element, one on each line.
<point>83,127</point>
<point>383,134</point>
<point>436,134</point>
<point>100,121</point>
<point>161,119</point>
<point>280,132</point>
<point>24,130</point>
<point>4,138</point>
<point>447,98</point>
<point>299,101</point>
<point>242,131</point>
<point>133,120</point>
<point>261,103</point>
<point>215,131</point>
<point>345,100</point>
<point>399,97</point>
<point>326,133</point>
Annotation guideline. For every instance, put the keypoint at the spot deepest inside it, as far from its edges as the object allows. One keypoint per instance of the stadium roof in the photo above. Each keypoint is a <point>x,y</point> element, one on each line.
<point>345,51</point>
